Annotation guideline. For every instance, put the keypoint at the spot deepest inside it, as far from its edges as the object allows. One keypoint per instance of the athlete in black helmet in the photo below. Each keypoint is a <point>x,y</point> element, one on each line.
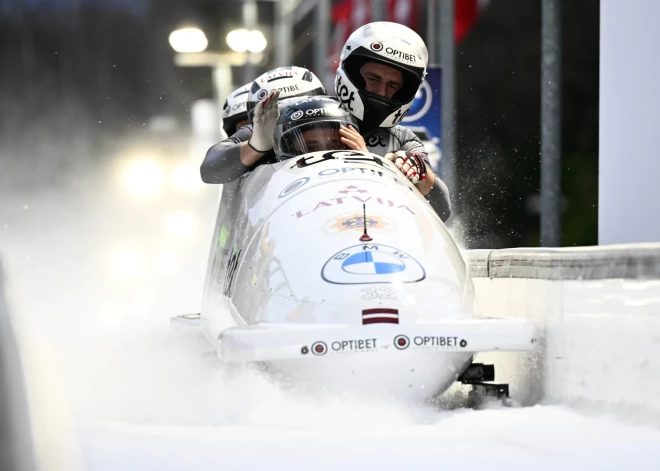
<point>313,124</point>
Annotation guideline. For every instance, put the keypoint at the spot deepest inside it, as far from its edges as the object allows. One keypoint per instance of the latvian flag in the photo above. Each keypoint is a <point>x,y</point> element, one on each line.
<point>380,315</point>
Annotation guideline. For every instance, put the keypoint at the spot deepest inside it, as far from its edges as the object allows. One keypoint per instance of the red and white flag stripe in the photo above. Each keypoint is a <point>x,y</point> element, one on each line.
<point>380,315</point>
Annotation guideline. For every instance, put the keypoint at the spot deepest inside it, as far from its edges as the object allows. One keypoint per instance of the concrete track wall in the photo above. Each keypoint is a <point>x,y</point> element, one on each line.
<point>598,309</point>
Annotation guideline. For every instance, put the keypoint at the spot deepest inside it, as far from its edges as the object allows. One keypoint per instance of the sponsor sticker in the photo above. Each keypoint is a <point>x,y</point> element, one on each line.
<point>372,263</point>
<point>342,346</point>
<point>293,186</point>
<point>401,342</point>
<point>434,342</point>
<point>319,348</point>
<point>346,96</point>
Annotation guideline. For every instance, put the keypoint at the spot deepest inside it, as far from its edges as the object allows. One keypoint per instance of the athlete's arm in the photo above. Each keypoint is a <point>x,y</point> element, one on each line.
<point>224,161</point>
<point>433,188</point>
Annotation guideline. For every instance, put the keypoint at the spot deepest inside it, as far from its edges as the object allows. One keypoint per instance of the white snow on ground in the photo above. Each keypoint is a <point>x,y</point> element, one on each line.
<point>143,402</point>
<point>540,438</point>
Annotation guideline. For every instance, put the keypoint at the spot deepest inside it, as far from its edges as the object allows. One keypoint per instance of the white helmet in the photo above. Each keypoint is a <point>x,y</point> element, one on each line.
<point>391,44</point>
<point>235,109</point>
<point>291,81</point>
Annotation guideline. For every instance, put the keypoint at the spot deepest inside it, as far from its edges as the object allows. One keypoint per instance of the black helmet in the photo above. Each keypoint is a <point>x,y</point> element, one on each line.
<point>235,109</point>
<point>309,125</point>
<point>291,81</point>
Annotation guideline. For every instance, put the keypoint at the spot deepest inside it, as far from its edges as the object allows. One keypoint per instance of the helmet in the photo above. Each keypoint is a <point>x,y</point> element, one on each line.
<point>309,125</point>
<point>386,43</point>
<point>291,81</point>
<point>235,109</point>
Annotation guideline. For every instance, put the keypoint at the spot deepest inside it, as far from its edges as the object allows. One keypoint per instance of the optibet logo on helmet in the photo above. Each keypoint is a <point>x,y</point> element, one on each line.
<point>389,44</point>
<point>235,109</point>
<point>289,81</point>
<point>310,125</point>
<point>346,97</point>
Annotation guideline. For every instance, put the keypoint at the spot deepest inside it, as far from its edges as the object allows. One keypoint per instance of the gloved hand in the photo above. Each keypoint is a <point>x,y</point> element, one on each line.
<point>266,114</point>
<point>411,164</point>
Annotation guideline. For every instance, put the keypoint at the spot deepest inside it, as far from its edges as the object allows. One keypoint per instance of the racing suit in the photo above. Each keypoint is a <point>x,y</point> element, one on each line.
<point>222,163</point>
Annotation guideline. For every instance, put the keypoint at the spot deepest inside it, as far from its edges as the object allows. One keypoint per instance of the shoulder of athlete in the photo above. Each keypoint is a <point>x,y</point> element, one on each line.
<point>401,130</point>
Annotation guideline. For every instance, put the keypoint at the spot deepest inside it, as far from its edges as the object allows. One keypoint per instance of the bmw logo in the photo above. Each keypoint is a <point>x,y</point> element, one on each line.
<point>319,348</point>
<point>401,342</point>
<point>261,94</point>
<point>376,47</point>
<point>297,115</point>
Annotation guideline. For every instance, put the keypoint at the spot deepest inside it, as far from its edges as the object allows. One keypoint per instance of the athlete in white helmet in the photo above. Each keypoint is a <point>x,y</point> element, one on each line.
<point>252,145</point>
<point>234,112</point>
<point>381,68</point>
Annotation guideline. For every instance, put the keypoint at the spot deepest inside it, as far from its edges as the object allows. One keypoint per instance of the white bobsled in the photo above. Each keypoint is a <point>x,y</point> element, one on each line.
<point>334,271</point>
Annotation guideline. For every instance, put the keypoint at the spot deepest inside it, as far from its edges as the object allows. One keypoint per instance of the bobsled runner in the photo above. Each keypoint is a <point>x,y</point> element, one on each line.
<point>333,271</point>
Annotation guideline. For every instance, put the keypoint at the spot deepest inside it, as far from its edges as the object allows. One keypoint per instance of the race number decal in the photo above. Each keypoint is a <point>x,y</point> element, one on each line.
<point>384,292</point>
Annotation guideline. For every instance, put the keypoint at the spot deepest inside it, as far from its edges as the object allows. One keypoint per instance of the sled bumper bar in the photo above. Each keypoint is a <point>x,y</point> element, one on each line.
<point>270,342</point>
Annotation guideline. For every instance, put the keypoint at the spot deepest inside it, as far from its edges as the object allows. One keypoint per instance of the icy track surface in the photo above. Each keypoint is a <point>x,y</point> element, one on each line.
<point>94,281</point>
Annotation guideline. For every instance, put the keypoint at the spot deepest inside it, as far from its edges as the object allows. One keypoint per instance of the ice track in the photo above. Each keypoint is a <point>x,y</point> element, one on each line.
<point>139,403</point>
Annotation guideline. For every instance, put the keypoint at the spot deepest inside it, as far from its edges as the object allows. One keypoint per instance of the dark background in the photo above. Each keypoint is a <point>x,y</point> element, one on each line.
<point>81,77</point>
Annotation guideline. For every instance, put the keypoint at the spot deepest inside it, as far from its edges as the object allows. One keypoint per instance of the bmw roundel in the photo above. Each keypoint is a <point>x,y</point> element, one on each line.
<point>372,263</point>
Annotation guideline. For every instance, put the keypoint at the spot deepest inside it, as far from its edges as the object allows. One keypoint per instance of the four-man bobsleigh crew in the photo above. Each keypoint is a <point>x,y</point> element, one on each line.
<point>381,68</point>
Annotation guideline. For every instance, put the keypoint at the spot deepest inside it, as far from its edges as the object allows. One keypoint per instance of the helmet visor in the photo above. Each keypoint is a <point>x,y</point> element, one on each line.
<point>312,137</point>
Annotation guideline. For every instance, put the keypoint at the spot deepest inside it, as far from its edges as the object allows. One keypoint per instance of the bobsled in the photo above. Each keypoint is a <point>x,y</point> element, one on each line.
<point>332,271</point>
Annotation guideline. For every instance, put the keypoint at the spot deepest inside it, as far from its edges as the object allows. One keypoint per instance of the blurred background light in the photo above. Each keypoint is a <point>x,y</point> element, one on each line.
<point>242,40</point>
<point>186,177</point>
<point>143,179</point>
<point>167,262</point>
<point>179,224</point>
<point>257,42</point>
<point>188,40</point>
<point>127,262</point>
<point>238,40</point>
